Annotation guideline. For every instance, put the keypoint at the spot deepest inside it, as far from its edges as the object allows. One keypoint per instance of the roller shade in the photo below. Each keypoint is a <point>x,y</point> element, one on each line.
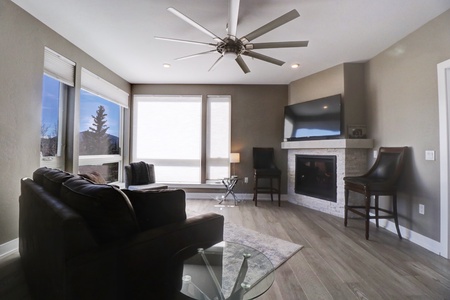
<point>100,87</point>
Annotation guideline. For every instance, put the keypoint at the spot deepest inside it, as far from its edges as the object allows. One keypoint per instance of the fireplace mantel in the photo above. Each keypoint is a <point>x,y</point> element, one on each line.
<point>329,144</point>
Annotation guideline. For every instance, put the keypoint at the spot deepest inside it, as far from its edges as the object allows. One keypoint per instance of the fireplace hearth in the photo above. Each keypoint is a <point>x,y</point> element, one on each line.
<point>315,176</point>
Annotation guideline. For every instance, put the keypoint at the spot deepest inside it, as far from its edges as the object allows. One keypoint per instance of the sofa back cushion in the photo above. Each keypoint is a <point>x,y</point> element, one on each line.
<point>105,208</point>
<point>51,179</point>
<point>155,208</point>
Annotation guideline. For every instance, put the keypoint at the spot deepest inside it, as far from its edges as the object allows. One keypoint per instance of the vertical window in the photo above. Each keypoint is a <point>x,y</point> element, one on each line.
<point>218,137</point>
<point>168,133</point>
<point>58,78</point>
<point>101,129</point>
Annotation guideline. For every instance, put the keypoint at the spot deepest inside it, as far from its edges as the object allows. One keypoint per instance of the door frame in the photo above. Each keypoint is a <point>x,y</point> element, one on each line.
<point>443,70</point>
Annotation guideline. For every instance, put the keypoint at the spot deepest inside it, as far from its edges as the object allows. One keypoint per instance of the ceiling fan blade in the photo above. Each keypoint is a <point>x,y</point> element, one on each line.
<point>184,41</point>
<point>233,14</point>
<point>263,57</point>
<point>195,55</point>
<point>216,63</point>
<point>193,23</point>
<point>242,64</point>
<point>276,45</point>
<point>271,25</point>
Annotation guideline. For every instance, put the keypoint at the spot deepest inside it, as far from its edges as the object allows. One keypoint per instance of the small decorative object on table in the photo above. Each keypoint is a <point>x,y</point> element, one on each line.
<point>357,132</point>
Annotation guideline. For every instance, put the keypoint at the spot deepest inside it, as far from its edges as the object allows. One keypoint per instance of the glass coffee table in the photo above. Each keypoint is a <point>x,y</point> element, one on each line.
<point>223,271</point>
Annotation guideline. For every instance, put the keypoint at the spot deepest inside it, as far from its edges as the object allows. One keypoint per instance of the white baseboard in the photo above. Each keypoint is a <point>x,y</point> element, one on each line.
<point>9,247</point>
<point>414,237</point>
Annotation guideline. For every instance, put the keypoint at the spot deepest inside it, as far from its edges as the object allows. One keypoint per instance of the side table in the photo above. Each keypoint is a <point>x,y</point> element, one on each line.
<point>229,184</point>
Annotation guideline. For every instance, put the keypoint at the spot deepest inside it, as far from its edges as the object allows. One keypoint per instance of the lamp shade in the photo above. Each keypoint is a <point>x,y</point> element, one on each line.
<point>235,158</point>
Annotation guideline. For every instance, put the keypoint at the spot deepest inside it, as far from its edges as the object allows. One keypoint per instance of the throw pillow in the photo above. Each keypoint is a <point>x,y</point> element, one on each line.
<point>95,177</point>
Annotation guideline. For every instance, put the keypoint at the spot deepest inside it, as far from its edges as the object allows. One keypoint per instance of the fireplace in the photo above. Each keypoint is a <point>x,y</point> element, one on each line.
<point>315,176</point>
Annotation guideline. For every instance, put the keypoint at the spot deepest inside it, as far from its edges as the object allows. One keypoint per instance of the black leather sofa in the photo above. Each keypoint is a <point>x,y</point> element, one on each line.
<point>80,240</point>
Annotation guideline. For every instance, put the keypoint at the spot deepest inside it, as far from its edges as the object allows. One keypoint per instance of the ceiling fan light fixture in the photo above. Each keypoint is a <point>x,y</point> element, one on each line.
<point>229,55</point>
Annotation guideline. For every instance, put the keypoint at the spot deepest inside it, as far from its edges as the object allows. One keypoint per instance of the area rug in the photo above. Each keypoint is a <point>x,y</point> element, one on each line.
<point>277,250</point>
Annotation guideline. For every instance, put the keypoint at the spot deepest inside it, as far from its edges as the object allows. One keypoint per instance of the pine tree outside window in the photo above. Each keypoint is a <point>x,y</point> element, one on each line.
<point>100,136</point>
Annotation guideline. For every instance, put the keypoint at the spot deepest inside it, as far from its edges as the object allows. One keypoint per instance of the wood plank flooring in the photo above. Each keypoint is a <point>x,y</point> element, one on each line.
<point>335,263</point>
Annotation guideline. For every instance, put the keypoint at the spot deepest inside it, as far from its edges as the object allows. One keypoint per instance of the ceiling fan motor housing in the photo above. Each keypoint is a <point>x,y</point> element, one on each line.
<point>230,46</point>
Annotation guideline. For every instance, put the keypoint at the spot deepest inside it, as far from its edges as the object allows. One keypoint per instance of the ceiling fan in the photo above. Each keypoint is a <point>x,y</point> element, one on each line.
<point>233,47</point>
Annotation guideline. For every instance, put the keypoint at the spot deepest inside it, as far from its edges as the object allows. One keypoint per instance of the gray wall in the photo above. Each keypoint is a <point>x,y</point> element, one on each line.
<point>395,94</point>
<point>22,41</point>
<point>257,113</point>
<point>402,99</point>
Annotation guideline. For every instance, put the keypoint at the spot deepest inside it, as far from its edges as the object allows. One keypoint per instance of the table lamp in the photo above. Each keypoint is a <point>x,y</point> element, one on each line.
<point>234,159</point>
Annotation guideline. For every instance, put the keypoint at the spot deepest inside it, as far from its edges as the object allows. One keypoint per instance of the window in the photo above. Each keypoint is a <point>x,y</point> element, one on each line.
<point>168,132</point>
<point>100,138</point>
<point>101,127</point>
<point>218,137</point>
<point>58,79</point>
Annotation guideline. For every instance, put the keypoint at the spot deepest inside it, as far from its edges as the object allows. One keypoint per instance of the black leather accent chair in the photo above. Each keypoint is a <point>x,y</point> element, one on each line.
<point>140,176</point>
<point>380,180</point>
<point>264,168</point>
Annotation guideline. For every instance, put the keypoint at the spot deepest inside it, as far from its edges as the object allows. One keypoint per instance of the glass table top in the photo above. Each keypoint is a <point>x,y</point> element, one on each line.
<point>224,271</point>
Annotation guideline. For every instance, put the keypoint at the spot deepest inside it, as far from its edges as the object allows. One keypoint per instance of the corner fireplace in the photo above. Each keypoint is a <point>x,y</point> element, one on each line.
<point>315,176</point>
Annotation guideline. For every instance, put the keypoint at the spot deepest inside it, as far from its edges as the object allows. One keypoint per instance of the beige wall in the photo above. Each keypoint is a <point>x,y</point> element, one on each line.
<point>22,41</point>
<point>345,79</point>
<point>257,120</point>
<point>402,110</point>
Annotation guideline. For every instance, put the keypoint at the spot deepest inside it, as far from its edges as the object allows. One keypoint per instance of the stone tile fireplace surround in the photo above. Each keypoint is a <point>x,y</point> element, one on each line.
<point>351,159</point>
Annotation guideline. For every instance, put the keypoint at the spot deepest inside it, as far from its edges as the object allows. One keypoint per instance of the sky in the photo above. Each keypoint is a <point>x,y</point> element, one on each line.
<point>89,104</point>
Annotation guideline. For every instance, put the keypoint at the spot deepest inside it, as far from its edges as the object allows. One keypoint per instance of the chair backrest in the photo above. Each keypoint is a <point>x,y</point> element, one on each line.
<point>139,173</point>
<point>263,158</point>
<point>389,164</point>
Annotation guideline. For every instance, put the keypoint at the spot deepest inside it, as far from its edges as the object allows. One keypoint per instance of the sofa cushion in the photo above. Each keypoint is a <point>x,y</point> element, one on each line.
<point>38,175</point>
<point>105,208</point>
<point>51,179</point>
<point>155,208</point>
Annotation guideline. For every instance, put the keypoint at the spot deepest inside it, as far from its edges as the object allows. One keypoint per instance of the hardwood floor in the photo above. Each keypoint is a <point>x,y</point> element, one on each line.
<point>335,263</point>
<point>338,262</point>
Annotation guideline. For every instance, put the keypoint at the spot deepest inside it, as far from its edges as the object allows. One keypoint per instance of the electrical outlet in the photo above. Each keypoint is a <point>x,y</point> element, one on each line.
<point>245,179</point>
<point>421,209</point>
<point>375,153</point>
<point>429,155</point>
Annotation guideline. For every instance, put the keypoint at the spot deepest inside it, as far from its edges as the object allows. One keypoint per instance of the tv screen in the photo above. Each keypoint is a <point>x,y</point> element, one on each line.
<point>315,119</point>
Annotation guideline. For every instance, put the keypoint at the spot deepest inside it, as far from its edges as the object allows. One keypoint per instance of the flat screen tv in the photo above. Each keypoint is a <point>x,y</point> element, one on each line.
<point>315,119</point>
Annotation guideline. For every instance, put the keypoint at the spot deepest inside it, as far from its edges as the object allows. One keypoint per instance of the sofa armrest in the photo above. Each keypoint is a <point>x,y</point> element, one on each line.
<point>150,186</point>
<point>136,268</point>
<point>146,258</point>
<point>155,208</point>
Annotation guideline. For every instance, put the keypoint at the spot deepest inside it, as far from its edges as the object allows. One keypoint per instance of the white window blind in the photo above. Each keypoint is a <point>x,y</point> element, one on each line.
<point>167,132</point>
<point>218,138</point>
<point>59,67</point>
<point>100,87</point>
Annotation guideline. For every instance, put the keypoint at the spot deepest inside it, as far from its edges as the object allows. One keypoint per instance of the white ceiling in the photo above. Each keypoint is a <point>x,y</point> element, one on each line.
<point>120,34</point>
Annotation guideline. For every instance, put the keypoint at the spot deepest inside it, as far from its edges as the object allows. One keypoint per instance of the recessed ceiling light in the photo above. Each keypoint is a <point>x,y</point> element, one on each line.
<point>166,66</point>
<point>295,66</point>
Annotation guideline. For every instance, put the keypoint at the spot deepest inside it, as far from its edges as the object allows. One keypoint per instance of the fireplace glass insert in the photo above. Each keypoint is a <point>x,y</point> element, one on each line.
<point>315,176</point>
